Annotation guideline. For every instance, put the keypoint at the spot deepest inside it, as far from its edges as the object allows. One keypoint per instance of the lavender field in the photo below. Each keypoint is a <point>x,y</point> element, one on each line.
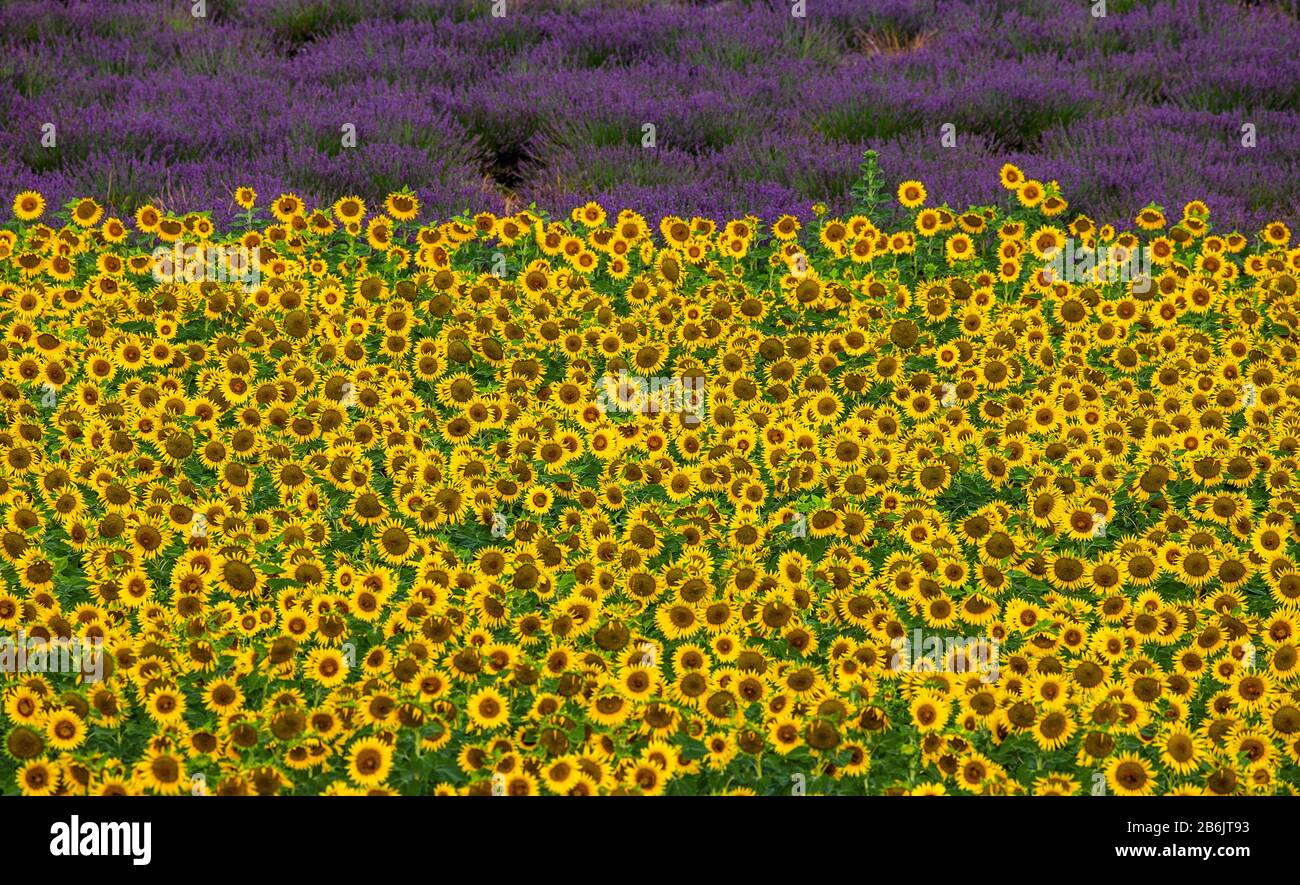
<point>754,109</point>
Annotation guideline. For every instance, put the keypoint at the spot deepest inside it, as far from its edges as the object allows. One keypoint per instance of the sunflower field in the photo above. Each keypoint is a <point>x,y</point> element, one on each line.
<point>408,506</point>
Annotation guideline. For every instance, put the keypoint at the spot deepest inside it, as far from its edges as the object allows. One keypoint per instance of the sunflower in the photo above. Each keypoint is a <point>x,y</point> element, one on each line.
<point>928,222</point>
<point>911,194</point>
<point>785,734</point>
<point>1274,233</point>
<point>28,206</point>
<point>1150,218</point>
<point>610,709</point>
<point>1053,727</point>
<point>561,775</point>
<point>223,696</point>
<point>38,778</point>
<point>166,706</point>
<point>1010,176</point>
<point>520,783</point>
<point>65,730</point>
<point>403,206</point>
<point>162,772</point>
<point>487,709</point>
<point>369,762</point>
<point>1030,193</point>
<point>287,207</point>
<point>1129,775</point>
<point>379,233</point>
<point>86,212</point>
<point>960,247</point>
<point>930,712</point>
<point>1181,751</point>
<point>326,667</point>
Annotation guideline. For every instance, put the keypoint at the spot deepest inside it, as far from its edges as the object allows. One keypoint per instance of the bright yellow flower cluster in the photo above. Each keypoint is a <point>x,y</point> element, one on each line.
<point>503,504</point>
